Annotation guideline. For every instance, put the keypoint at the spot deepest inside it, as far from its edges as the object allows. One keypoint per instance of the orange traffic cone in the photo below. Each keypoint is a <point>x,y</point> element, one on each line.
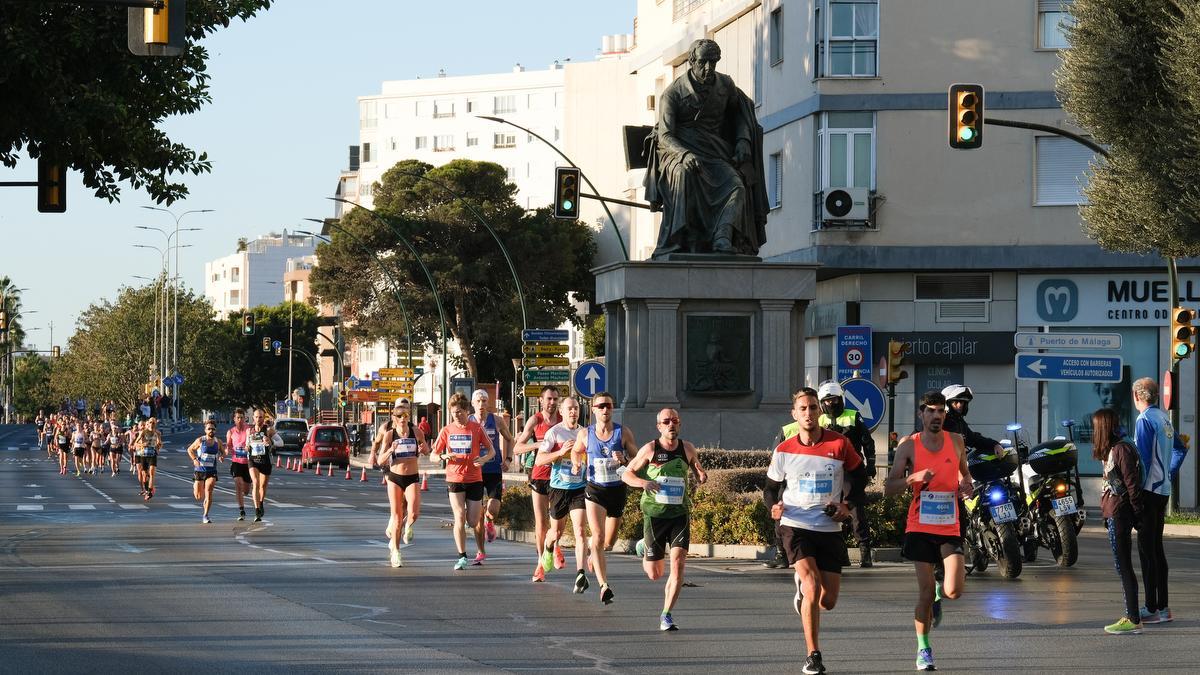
<point>330,470</point>
<point>299,467</point>
<point>363,477</point>
<point>278,461</point>
<point>424,482</point>
<point>318,468</point>
<point>347,472</point>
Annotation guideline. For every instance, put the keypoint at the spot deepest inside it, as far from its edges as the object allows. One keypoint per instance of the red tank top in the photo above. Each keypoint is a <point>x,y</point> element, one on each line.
<point>539,432</point>
<point>934,506</point>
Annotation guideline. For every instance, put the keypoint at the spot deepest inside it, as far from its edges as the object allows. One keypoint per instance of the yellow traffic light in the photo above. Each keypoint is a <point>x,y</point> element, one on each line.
<point>1182,333</point>
<point>266,344</point>
<point>51,186</point>
<point>566,193</point>
<point>158,31</point>
<point>895,357</point>
<point>342,396</point>
<point>55,352</point>
<point>966,116</point>
<point>156,26</point>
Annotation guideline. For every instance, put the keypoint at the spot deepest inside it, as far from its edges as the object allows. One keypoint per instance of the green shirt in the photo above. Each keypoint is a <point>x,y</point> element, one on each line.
<point>669,468</point>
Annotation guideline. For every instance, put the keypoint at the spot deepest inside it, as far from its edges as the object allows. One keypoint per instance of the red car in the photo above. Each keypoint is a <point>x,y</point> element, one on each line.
<point>326,443</point>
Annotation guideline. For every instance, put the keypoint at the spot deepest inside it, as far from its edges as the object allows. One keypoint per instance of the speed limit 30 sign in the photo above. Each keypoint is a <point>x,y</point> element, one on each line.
<point>853,351</point>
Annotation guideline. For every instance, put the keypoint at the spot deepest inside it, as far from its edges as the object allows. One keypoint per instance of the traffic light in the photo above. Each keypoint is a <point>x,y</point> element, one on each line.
<point>279,351</point>
<point>158,32</point>
<point>342,396</point>
<point>51,186</point>
<point>566,193</point>
<point>55,352</point>
<point>266,344</point>
<point>247,324</point>
<point>1182,332</point>
<point>895,355</point>
<point>966,116</point>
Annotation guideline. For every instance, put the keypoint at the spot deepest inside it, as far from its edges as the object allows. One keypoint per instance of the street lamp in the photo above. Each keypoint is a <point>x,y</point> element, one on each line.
<point>160,350</point>
<point>516,379</point>
<point>290,293</point>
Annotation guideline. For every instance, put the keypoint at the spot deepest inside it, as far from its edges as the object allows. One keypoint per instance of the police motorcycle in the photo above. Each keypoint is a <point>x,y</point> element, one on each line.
<point>1054,515</point>
<point>994,512</point>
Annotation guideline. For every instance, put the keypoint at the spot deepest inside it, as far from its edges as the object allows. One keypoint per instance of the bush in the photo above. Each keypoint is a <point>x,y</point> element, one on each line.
<point>730,519</point>
<point>516,509</point>
<point>887,515</point>
<point>737,481</point>
<point>715,458</point>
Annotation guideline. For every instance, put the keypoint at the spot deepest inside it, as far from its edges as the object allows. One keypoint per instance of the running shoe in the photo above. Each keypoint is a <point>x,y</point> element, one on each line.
<point>408,534</point>
<point>581,582</point>
<point>258,514</point>
<point>539,575</point>
<point>937,605</point>
<point>925,659</point>
<point>395,558</point>
<point>77,474</point>
<point>606,595</point>
<point>560,561</point>
<point>461,564</point>
<point>547,560</point>
<point>149,494</point>
<point>206,520</point>
<point>640,548</point>
<point>813,664</point>
<point>665,622</point>
<point>479,558</point>
<point>241,514</point>
<point>1164,615</point>
<point>1123,627</point>
<point>490,530</point>
<point>1150,617</point>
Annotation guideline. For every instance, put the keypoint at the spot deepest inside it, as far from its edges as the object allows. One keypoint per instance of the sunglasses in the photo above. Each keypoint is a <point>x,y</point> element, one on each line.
<point>602,406</point>
<point>669,420</point>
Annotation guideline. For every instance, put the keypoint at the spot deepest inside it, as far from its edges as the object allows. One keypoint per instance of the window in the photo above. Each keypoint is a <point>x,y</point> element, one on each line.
<point>443,108</point>
<point>391,110</point>
<point>510,172</point>
<point>775,180</point>
<point>681,8</point>
<point>851,48</point>
<point>756,61</point>
<point>1053,22</point>
<point>235,276</point>
<point>1062,171</point>
<point>366,152</point>
<point>847,141</point>
<point>366,353</point>
<point>393,144</point>
<point>504,104</point>
<point>470,105</point>
<point>443,143</point>
<point>367,114</point>
<point>504,140</point>
<point>365,191</point>
<point>235,298</point>
<point>472,141</point>
<point>776,35</point>
<point>416,108</point>
<point>420,143</point>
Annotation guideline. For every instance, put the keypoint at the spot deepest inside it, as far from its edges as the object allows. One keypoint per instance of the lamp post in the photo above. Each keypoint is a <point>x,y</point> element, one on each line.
<point>290,295</point>
<point>516,379</point>
<point>161,363</point>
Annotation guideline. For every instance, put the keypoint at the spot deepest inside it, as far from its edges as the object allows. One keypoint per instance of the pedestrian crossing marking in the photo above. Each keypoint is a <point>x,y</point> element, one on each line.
<point>184,506</point>
<point>82,507</point>
<point>338,506</point>
<point>133,506</point>
<point>29,507</point>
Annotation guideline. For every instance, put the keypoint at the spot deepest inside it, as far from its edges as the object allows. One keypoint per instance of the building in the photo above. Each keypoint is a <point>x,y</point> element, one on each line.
<point>254,274</point>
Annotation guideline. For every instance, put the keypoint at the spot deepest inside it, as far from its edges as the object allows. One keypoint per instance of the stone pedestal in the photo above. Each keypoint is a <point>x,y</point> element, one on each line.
<point>722,341</point>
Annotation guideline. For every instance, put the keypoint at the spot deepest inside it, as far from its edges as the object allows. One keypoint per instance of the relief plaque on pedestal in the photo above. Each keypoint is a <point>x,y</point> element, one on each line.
<point>718,354</point>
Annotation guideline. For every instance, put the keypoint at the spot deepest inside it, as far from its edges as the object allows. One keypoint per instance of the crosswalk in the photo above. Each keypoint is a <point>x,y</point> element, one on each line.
<point>185,506</point>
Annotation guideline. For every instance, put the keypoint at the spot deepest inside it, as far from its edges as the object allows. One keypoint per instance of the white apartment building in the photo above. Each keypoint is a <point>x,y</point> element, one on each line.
<point>254,275</point>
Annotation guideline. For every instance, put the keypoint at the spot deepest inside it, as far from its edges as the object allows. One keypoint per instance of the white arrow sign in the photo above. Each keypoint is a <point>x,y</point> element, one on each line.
<point>863,407</point>
<point>1036,366</point>
<point>591,377</point>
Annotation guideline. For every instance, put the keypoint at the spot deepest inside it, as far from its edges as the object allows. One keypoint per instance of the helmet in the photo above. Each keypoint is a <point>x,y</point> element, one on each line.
<point>828,388</point>
<point>958,392</point>
<point>831,390</point>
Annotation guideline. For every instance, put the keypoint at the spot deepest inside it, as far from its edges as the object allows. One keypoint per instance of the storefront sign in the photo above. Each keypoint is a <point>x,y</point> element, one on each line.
<point>951,347</point>
<point>1101,299</point>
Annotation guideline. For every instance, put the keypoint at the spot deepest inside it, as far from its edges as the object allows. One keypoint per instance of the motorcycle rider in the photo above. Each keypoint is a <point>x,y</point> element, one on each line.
<point>958,402</point>
<point>835,417</point>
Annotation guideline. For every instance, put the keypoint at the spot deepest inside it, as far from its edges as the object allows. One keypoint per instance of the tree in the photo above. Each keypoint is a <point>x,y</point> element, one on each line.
<point>593,337</point>
<point>74,92</point>
<point>553,260</point>
<point>1130,78</point>
<point>31,386</point>
<point>261,377</point>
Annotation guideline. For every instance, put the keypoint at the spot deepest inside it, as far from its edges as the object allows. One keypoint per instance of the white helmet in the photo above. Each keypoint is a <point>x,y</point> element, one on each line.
<point>828,388</point>
<point>958,392</point>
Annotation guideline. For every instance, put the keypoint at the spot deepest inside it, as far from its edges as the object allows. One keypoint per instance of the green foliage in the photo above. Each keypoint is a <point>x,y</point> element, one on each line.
<point>1183,518</point>
<point>735,481</point>
<point>887,515</point>
<point>73,91</point>
<point>262,377</point>
<point>716,458</point>
<point>593,337</point>
<point>31,385</point>
<point>1130,79</point>
<point>730,519</point>
<point>516,508</point>
<point>470,273</point>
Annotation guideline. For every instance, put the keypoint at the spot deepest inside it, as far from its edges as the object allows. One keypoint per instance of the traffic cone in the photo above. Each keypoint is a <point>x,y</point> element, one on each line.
<point>299,467</point>
<point>330,470</point>
<point>278,461</point>
<point>424,482</point>
<point>289,464</point>
<point>363,477</point>
<point>347,472</point>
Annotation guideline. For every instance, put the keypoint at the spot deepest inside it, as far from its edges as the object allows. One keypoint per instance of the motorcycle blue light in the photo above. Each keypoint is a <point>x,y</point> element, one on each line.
<point>997,495</point>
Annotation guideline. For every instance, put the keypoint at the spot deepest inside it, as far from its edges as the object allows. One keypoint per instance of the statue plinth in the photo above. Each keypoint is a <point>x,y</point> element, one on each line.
<point>720,338</point>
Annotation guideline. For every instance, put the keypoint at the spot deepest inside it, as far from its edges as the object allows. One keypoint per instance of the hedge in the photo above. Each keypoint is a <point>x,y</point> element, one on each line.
<point>715,458</point>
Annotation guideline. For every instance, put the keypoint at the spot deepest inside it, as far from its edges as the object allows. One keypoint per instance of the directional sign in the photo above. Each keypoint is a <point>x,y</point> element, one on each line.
<point>362,384</point>
<point>276,344</point>
<point>392,385</point>
<point>544,335</point>
<point>350,383</point>
<point>281,407</point>
<point>867,398</point>
<point>362,395</point>
<point>541,361</point>
<point>547,376</point>
<point>395,373</point>
<point>535,390</point>
<point>853,350</point>
<point>1067,340</point>
<point>393,396</point>
<point>1069,367</point>
<point>590,378</point>
<point>545,348</point>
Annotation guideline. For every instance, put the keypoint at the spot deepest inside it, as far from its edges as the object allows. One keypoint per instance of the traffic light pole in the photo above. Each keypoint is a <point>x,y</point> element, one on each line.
<point>891,438</point>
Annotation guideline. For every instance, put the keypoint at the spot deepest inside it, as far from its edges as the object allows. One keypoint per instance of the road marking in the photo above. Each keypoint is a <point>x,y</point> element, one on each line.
<point>129,548</point>
<point>338,506</point>
<point>282,505</point>
<point>133,507</point>
<point>29,507</point>
<point>98,491</point>
<point>82,507</point>
<point>382,505</point>
<point>184,506</point>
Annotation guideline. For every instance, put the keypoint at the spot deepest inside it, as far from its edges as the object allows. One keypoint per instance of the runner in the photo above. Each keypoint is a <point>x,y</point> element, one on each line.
<point>260,443</point>
<point>493,471</point>
<point>805,493</point>
<point>98,448</point>
<point>40,423</point>
<point>62,441</point>
<point>205,452</point>
<point>397,447</point>
<point>459,443</point>
<point>116,445</point>
<point>567,489</point>
<point>607,444</point>
<point>79,448</point>
<point>527,445</point>
<point>661,470</point>
<point>239,468</point>
<point>149,442</point>
<point>135,462</point>
<point>936,462</point>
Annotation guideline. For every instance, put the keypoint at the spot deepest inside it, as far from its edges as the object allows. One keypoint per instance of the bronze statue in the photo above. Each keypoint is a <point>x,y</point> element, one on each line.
<point>705,163</point>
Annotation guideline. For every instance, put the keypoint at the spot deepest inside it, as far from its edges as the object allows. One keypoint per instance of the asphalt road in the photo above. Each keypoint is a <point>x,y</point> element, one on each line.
<point>94,579</point>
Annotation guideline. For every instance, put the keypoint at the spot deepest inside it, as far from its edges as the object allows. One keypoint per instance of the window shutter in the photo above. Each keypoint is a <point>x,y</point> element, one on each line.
<point>1062,166</point>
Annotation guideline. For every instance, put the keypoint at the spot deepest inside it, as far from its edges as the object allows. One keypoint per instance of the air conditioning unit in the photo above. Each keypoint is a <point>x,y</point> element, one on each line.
<point>846,204</point>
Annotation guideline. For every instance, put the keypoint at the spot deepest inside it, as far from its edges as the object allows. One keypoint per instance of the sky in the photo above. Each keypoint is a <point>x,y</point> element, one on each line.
<point>284,110</point>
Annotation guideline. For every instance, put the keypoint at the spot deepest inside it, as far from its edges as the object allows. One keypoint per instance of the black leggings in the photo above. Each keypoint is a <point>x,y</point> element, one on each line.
<point>1150,549</point>
<point>1120,528</point>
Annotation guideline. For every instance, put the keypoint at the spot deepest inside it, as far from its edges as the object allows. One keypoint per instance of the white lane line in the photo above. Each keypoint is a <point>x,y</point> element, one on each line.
<point>98,491</point>
<point>133,507</point>
<point>82,507</point>
<point>382,505</point>
<point>337,506</point>
<point>282,505</point>
<point>29,507</point>
<point>184,506</point>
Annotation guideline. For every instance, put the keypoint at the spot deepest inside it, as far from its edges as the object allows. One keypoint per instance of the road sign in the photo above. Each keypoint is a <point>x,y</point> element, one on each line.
<point>590,378</point>
<point>535,390</point>
<point>543,335</point>
<point>556,375</point>
<point>1069,367</point>
<point>393,396</point>
<point>392,385</point>
<point>362,384</point>
<point>395,373</point>
<point>867,398</point>
<point>1067,340</point>
<point>362,395</point>
<point>276,344</point>
<point>853,350</point>
<point>281,407</point>
<point>542,361</point>
<point>1168,389</point>
<point>545,348</point>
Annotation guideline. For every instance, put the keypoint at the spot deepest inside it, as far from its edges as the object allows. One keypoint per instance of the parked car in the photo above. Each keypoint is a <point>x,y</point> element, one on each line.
<point>326,443</point>
<point>293,431</point>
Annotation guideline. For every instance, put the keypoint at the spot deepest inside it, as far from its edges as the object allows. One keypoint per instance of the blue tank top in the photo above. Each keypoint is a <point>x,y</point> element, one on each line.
<point>603,465</point>
<point>207,456</point>
<point>489,427</point>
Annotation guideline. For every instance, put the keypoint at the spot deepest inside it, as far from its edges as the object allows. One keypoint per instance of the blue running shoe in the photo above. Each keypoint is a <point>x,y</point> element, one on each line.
<point>666,623</point>
<point>925,659</point>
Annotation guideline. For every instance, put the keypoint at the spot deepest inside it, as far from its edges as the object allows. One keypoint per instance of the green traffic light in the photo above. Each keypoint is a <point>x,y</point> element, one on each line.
<point>567,204</point>
<point>1182,350</point>
<point>966,133</point>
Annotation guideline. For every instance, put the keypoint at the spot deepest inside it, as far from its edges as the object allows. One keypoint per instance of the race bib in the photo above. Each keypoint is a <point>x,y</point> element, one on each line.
<point>239,453</point>
<point>670,490</point>
<point>937,508</point>
<point>813,488</point>
<point>207,460</point>
<point>404,448</point>
<point>150,451</point>
<point>460,444</point>
<point>258,445</point>
<point>605,471</point>
<point>565,475</point>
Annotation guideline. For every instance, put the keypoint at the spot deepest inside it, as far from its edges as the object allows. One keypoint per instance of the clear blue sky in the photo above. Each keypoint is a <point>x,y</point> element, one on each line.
<point>283,111</point>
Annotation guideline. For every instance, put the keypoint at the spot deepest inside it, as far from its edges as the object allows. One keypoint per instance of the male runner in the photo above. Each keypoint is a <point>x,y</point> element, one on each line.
<point>260,444</point>
<point>804,487</point>
<point>148,443</point>
<point>936,464</point>
<point>239,460</point>
<point>205,452</point>
<point>527,445</point>
<point>608,444</point>
<point>661,470</point>
<point>493,471</point>
<point>460,443</point>
<point>567,489</point>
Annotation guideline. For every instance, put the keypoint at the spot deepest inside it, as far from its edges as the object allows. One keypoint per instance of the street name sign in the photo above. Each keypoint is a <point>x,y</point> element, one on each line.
<point>396,373</point>
<point>543,335</point>
<point>547,376</point>
<point>543,348</point>
<point>542,361</point>
<point>535,390</point>
<point>1068,367</point>
<point>1067,340</point>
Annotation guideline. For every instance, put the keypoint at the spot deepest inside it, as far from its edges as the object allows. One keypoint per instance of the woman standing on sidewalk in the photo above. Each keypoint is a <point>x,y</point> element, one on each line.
<point>397,447</point>
<point>1121,505</point>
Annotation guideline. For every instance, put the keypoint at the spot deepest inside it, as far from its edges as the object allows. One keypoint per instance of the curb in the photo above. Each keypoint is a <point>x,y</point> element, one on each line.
<point>1169,530</point>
